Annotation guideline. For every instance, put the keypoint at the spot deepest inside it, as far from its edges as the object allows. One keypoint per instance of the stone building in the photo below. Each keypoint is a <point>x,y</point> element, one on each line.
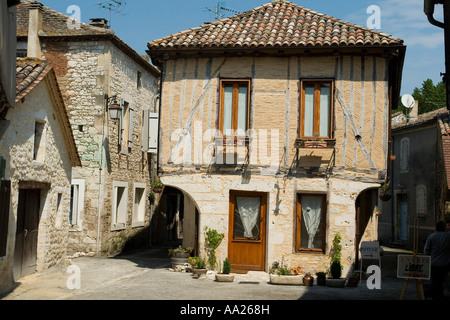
<point>39,152</point>
<point>275,131</point>
<point>419,193</point>
<point>97,70</point>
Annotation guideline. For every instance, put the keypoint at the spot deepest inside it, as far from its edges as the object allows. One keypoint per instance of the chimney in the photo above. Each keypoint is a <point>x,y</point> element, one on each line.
<point>34,27</point>
<point>99,23</point>
<point>415,111</point>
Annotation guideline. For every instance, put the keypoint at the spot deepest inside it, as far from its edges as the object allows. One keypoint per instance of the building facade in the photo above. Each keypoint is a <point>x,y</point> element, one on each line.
<point>39,153</point>
<point>96,70</point>
<point>418,183</point>
<point>275,132</point>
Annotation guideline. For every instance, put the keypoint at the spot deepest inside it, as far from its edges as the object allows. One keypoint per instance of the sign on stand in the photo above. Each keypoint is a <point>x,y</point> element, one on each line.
<point>414,267</point>
<point>370,250</point>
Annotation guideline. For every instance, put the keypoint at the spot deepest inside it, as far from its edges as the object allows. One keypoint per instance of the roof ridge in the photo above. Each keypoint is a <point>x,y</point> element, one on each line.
<point>278,23</point>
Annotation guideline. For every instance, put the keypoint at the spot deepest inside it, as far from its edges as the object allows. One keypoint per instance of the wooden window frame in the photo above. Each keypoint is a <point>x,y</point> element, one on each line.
<point>262,213</point>
<point>236,83</point>
<point>298,219</point>
<point>316,125</point>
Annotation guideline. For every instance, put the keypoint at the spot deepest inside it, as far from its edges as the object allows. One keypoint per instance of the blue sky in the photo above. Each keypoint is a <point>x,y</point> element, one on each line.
<point>142,21</point>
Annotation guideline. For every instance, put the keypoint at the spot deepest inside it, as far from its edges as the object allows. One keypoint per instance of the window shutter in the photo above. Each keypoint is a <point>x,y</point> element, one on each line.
<point>130,126</point>
<point>145,130</point>
<point>5,198</point>
<point>121,124</point>
<point>153,132</point>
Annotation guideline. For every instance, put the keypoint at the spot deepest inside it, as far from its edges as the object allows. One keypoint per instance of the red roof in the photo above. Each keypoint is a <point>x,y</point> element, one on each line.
<point>278,24</point>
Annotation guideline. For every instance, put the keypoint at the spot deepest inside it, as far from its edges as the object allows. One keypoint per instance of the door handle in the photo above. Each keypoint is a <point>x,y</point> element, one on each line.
<point>26,232</point>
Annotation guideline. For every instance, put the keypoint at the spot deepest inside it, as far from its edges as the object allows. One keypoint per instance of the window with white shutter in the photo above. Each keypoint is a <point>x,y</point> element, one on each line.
<point>421,200</point>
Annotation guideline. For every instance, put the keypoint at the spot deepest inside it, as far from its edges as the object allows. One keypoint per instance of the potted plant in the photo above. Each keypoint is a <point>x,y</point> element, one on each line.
<point>225,276</point>
<point>384,196</point>
<point>179,256</point>
<point>321,278</point>
<point>353,280</point>
<point>308,279</point>
<point>212,241</point>
<point>281,274</point>
<point>157,186</point>
<point>336,266</point>
<point>199,268</point>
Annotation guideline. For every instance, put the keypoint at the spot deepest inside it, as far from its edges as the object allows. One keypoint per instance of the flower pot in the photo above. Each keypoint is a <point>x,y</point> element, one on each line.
<point>201,273</point>
<point>385,197</point>
<point>286,280</point>
<point>321,281</point>
<point>179,259</point>
<point>336,283</point>
<point>352,282</point>
<point>157,189</point>
<point>224,277</point>
<point>308,281</point>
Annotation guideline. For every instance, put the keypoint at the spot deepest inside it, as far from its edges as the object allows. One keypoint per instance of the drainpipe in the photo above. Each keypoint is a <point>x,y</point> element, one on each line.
<point>429,12</point>
<point>152,172</point>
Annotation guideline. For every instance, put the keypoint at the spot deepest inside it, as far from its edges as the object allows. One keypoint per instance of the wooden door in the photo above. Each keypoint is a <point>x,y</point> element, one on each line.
<point>247,231</point>
<point>25,254</point>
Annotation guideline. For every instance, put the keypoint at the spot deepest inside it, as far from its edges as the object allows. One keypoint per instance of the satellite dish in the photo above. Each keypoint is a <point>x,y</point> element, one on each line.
<point>408,101</point>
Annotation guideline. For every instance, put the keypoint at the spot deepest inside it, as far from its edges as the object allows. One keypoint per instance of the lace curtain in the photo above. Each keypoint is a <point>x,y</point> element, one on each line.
<point>312,215</point>
<point>248,210</point>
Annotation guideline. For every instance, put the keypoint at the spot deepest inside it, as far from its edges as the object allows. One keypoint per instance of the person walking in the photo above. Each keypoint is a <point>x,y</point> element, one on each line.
<point>438,247</point>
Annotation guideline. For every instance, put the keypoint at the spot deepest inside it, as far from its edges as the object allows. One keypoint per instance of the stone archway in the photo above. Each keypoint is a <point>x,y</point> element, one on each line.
<point>365,208</point>
<point>175,221</point>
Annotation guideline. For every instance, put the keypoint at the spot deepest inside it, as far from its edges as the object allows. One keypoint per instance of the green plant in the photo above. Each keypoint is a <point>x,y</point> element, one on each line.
<point>179,250</point>
<point>201,263</point>
<point>384,188</point>
<point>336,255</point>
<point>226,266</point>
<point>213,239</point>
<point>280,268</point>
<point>157,184</point>
<point>321,275</point>
<point>151,197</point>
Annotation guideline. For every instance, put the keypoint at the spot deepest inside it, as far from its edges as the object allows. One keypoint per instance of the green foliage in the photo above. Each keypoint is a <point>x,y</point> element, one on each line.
<point>280,268</point>
<point>213,239</point>
<point>157,184</point>
<point>180,249</point>
<point>336,255</point>
<point>321,274</point>
<point>226,266</point>
<point>336,270</point>
<point>430,97</point>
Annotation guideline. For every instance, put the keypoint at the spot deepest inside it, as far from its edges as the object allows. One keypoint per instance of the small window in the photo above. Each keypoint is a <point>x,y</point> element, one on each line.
<point>311,217</point>
<point>39,142</point>
<point>316,109</point>
<point>126,127</point>
<point>139,80</point>
<point>120,205</point>
<point>421,201</point>
<point>404,155</point>
<point>234,107</point>
<point>76,203</point>
<point>139,205</point>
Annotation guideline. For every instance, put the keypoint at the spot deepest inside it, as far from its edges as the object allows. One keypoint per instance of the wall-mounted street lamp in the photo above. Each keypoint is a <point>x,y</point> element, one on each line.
<point>113,107</point>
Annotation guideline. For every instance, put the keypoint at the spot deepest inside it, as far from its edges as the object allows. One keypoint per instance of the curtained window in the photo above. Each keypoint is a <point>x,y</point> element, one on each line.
<point>311,214</point>
<point>316,109</point>
<point>234,106</point>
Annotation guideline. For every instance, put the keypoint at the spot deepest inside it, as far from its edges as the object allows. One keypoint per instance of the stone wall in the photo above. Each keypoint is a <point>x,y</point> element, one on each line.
<point>86,72</point>
<point>16,147</point>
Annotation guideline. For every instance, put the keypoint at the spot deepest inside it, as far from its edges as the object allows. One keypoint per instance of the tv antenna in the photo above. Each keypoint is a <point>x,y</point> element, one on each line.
<point>220,10</point>
<point>112,6</point>
<point>409,103</point>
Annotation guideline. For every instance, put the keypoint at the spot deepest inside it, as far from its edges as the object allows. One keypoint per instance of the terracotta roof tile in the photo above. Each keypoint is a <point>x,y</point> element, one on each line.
<point>29,73</point>
<point>276,24</point>
<point>55,24</point>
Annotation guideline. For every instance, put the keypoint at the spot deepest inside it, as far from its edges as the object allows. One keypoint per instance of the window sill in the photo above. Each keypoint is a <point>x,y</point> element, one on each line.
<point>118,227</point>
<point>315,144</point>
<point>138,224</point>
